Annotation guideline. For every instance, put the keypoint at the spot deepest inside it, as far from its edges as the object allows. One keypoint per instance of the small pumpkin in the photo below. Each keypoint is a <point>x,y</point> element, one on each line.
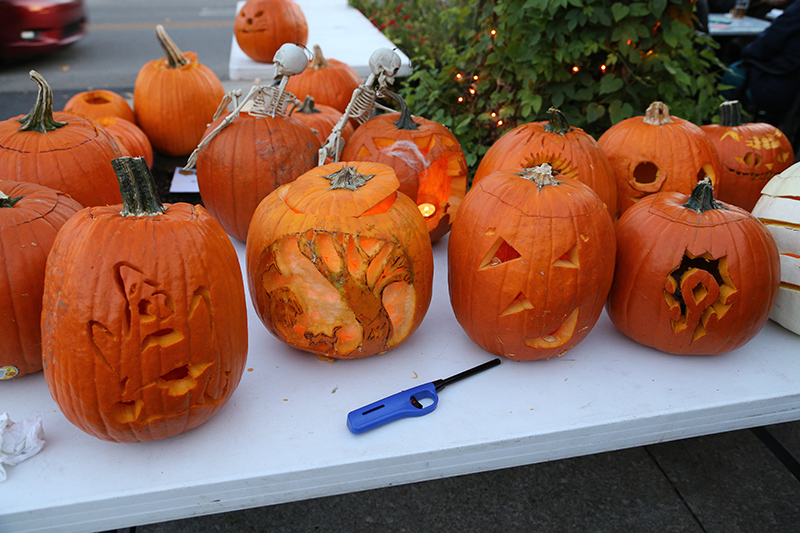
<point>30,217</point>
<point>657,152</point>
<point>321,119</point>
<point>750,154</point>
<point>694,275</point>
<point>144,337</point>
<point>63,151</point>
<point>130,139</point>
<point>568,150</point>
<point>530,261</point>
<point>339,262</point>
<point>174,98</point>
<point>426,156</point>
<point>262,26</point>
<point>329,81</point>
<point>100,103</point>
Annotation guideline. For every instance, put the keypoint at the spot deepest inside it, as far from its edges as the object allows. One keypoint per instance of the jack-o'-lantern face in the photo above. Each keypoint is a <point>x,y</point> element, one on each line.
<point>263,26</point>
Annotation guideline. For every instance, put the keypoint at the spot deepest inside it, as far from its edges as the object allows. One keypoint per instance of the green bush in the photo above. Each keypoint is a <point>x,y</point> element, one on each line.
<point>482,67</point>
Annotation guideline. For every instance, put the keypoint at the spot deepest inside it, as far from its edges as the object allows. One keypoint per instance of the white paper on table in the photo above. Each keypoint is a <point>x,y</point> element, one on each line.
<point>19,440</point>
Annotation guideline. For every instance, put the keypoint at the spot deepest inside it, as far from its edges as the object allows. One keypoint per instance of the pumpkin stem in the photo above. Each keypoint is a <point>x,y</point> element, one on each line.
<point>174,55</point>
<point>40,117</point>
<point>657,114</point>
<point>138,189</point>
<point>308,106</point>
<point>406,121</point>
<point>541,175</point>
<point>702,198</point>
<point>557,122</point>
<point>730,114</point>
<point>7,201</point>
<point>348,178</point>
<point>319,60</point>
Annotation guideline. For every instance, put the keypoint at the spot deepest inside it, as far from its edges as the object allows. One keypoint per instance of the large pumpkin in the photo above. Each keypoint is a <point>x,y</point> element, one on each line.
<point>569,151</point>
<point>63,151</point>
<point>30,217</point>
<point>130,138</point>
<point>174,98</point>
<point>100,103</point>
<point>530,261</point>
<point>750,154</point>
<point>339,262</point>
<point>426,156</point>
<point>694,275</point>
<point>657,152</point>
<point>329,81</point>
<point>144,319</point>
<point>263,26</point>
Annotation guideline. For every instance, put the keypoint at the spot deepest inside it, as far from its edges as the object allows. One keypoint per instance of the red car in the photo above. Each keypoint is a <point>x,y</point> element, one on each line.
<point>31,27</point>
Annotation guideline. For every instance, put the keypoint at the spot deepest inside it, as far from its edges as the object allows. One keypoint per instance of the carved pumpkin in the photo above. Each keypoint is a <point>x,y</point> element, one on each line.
<point>569,151</point>
<point>30,217</point>
<point>694,275</point>
<point>339,262</point>
<point>100,103</point>
<point>657,152</point>
<point>263,26</point>
<point>426,156</point>
<point>530,262</point>
<point>174,98</point>
<point>63,151</point>
<point>779,210</point>
<point>329,81</point>
<point>750,154</point>
<point>130,138</point>
<point>144,336</point>
<point>321,119</point>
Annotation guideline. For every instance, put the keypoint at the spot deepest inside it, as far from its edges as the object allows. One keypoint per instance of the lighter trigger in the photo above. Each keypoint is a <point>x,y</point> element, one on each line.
<point>415,402</point>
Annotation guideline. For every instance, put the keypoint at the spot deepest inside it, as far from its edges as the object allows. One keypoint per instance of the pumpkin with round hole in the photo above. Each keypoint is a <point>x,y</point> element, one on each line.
<point>262,26</point>
<point>530,260</point>
<point>657,152</point>
<point>779,210</point>
<point>339,262</point>
<point>30,217</point>
<point>66,152</point>
<point>100,103</point>
<point>570,151</point>
<point>426,156</point>
<point>174,98</point>
<point>750,154</point>
<point>143,336</point>
<point>130,138</point>
<point>694,275</point>
<point>329,81</point>
<point>321,119</point>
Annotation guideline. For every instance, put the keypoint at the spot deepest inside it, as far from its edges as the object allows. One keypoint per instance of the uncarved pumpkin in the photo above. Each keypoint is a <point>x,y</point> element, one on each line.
<point>321,119</point>
<point>100,103</point>
<point>130,138</point>
<point>263,26</point>
<point>329,81</point>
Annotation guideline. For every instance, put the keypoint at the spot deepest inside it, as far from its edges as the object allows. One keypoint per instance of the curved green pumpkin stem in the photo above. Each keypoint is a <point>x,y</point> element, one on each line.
<point>702,198</point>
<point>174,55</point>
<point>307,106</point>
<point>541,175</point>
<point>7,201</point>
<point>557,122</point>
<point>406,121</point>
<point>348,178</point>
<point>730,114</point>
<point>40,117</point>
<point>138,189</point>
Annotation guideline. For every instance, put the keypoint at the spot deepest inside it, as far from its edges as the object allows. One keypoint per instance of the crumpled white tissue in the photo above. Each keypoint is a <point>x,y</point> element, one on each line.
<point>19,440</point>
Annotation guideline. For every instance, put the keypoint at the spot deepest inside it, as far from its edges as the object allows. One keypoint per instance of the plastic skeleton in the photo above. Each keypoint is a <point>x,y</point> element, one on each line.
<point>268,100</point>
<point>384,64</point>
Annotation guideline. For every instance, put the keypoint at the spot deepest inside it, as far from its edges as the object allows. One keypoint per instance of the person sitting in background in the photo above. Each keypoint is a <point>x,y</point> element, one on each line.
<point>757,9</point>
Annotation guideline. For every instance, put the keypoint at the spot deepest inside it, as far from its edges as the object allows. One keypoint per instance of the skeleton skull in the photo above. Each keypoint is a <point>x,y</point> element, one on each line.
<point>289,60</point>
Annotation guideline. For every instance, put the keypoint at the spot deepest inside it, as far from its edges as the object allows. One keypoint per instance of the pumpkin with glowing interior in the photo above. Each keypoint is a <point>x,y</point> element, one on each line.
<point>262,26</point>
<point>339,261</point>
<point>530,261</point>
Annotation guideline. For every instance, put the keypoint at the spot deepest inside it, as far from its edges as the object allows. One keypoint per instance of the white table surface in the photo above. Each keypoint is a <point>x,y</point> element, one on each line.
<point>283,437</point>
<point>724,25</point>
<point>341,31</point>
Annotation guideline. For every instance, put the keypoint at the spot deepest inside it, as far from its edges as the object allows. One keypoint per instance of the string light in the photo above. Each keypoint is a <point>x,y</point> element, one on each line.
<point>475,77</point>
<point>459,76</point>
<point>499,123</point>
<point>493,32</point>
<point>575,68</point>
<point>471,90</point>
<point>493,114</point>
<point>460,99</point>
<point>602,68</point>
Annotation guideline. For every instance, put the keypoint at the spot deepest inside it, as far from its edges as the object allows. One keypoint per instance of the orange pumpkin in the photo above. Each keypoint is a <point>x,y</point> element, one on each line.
<point>694,275</point>
<point>30,217</point>
<point>339,262</point>
<point>130,139</point>
<point>750,155</point>
<point>263,26</point>
<point>426,156</point>
<point>100,103</point>
<point>657,152</point>
<point>174,99</point>
<point>570,151</point>
<point>144,337</point>
<point>530,262</point>
<point>321,119</point>
<point>63,151</point>
<point>329,81</point>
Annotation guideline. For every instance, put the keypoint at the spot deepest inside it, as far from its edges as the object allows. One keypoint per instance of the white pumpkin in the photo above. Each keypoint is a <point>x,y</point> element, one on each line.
<point>779,210</point>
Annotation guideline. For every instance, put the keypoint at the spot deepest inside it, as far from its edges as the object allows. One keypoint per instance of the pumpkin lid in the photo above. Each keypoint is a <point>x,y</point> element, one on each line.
<point>342,189</point>
<point>787,183</point>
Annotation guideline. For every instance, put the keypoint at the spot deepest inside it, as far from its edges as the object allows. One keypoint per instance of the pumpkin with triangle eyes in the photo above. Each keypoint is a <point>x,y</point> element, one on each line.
<point>530,262</point>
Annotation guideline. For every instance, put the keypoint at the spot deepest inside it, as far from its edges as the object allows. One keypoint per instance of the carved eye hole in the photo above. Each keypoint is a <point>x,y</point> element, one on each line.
<point>750,159</point>
<point>501,252</point>
<point>646,173</point>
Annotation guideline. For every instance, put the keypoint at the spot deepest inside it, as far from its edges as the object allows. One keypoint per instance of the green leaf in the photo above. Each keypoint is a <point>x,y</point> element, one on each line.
<point>658,7</point>
<point>620,11</point>
<point>594,112</point>
<point>610,84</point>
